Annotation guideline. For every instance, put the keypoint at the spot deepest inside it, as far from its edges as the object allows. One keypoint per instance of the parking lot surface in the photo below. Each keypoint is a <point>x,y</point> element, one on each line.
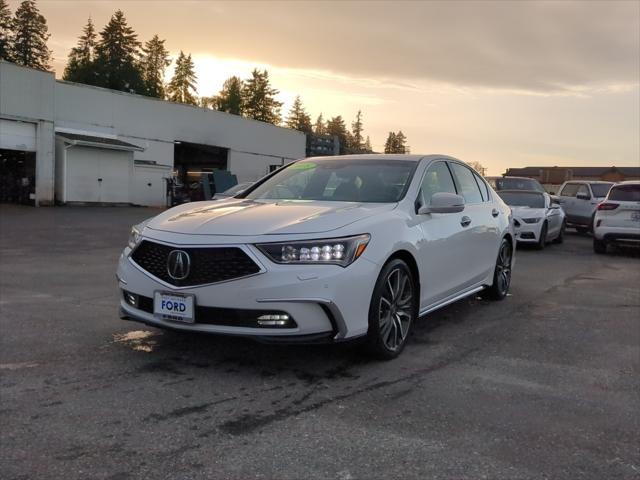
<point>542,385</point>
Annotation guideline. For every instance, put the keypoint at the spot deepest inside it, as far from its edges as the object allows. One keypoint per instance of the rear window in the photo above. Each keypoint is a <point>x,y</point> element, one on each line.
<point>600,189</point>
<point>507,183</point>
<point>625,193</point>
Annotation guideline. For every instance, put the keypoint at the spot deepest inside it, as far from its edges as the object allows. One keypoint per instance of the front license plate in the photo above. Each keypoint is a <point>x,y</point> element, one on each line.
<point>175,307</point>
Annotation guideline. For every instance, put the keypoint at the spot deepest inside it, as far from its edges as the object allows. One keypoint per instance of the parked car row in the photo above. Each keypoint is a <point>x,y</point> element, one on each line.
<point>608,210</point>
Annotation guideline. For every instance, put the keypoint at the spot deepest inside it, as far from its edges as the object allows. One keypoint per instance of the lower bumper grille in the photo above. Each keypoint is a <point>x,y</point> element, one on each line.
<point>203,265</point>
<point>232,317</point>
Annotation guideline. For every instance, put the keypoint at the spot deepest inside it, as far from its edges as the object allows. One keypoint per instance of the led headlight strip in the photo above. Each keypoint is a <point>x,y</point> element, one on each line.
<point>333,251</point>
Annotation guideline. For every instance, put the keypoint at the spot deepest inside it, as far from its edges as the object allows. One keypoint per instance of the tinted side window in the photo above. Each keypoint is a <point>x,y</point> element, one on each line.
<point>569,190</point>
<point>583,190</point>
<point>466,182</point>
<point>484,189</point>
<point>436,179</point>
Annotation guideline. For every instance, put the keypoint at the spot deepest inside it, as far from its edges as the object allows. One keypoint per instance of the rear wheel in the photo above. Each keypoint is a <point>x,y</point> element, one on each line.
<point>599,246</point>
<point>393,309</point>
<point>501,274</point>
<point>542,241</point>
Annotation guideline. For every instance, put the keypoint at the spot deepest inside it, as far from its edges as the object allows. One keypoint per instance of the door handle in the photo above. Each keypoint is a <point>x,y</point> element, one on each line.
<point>495,212</point>
<point>465,221</point>
<point>99,179</point>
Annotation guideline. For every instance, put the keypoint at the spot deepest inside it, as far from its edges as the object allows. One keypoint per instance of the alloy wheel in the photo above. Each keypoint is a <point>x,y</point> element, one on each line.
<point>395,309</point>
<point>503,268</point>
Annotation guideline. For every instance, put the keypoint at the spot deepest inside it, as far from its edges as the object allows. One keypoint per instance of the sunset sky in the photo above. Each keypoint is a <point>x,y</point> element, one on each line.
<point>503,83</point>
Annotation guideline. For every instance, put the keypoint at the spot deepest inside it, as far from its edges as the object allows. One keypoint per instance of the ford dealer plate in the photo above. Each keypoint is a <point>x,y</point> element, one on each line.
<point>175,307</point>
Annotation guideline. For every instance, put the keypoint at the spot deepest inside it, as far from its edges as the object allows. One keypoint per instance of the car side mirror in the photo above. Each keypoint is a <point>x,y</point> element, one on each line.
<point>583,196</point>
<point>443,202</point>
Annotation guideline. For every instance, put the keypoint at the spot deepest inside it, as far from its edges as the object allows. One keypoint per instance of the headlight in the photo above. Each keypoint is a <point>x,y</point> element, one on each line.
<point>333,251</point>
<point>531,220</point>
<point>136,233</point>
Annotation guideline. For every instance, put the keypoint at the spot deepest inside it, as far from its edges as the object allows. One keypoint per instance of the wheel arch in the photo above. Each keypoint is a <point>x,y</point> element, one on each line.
<point>408,258</point>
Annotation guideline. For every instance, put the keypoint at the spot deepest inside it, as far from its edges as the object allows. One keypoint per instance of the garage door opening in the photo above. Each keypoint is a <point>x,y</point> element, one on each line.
<point>17,177</point>
<point>192,160</point>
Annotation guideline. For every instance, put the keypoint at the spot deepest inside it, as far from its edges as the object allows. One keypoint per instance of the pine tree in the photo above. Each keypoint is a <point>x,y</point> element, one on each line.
<point>80,66</point>
<point>30,35</point>
<point>259,98</point>
<point>401,143</point>
<point>298,118</point>
<point>6,29</point>
<point>367,146</point>
<point>336,126</point>
<point>320,128</point>
<point>390,144</point>
<point>117,57</point>
<point>396,143</point>
<point>356,130</point>
<point>155,60</point>
<point>230,97</point>
<point>182,87</point>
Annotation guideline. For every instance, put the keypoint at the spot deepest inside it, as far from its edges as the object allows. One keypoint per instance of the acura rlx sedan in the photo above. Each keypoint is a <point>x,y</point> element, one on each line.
<point>323,249</point>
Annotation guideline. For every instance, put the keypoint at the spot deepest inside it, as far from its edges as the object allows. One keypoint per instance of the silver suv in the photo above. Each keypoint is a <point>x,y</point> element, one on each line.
<point>579,200</point>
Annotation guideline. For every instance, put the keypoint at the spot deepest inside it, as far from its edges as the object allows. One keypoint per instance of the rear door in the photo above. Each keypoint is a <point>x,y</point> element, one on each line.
<point>481,234</point>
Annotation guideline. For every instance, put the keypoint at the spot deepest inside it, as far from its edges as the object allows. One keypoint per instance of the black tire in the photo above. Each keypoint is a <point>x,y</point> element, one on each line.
<point>560,237</point>
<point>582,230</point>
<point>393,310</point>
<point>599,246</point>
<point>501,274</point>
<point>542,242</point>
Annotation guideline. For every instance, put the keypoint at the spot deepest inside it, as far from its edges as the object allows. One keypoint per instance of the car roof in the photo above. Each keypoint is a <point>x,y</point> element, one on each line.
<point>387,156</point>
<point>628,182</point>
<point>515,190</point>
<point>517,178</point>
<point>588,181</point>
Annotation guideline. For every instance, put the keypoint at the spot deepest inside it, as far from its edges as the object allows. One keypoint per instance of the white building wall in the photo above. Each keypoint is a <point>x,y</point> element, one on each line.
<point>33,96</point>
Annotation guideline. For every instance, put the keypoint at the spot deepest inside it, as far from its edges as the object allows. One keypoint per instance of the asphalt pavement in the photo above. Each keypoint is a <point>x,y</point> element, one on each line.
<point>542,385</point>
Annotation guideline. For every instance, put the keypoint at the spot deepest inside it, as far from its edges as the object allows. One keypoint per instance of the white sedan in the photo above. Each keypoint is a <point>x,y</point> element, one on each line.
<point>536,218</point>
<point>323,249</point>
<point>617,218</point>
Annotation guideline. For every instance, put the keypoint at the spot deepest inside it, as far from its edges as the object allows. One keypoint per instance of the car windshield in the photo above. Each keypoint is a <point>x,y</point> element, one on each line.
<point>523,199</point>
<point>507,183</point>
<point>235,189</point>
<point>625,193</point>
<point>600,189</point>
<point>367,180</point>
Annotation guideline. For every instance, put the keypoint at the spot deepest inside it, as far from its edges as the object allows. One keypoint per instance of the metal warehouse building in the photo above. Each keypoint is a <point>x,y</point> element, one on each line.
<point>79,143</point>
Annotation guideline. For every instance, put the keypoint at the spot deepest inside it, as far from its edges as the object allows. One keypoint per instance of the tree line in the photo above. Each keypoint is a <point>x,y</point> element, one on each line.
<point>115,58</point>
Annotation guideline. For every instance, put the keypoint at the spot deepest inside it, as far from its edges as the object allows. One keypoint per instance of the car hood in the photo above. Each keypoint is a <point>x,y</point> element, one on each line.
<point>528,212</point>
<point>248,217</point>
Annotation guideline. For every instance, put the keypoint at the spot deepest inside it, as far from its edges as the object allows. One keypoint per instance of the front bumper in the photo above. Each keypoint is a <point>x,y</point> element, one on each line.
<point>527,232</point>
<point>325,301</point>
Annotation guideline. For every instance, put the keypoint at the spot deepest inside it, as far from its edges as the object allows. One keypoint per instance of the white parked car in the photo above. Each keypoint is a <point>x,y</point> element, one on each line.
<point>617,218</point>
<point>536,218</point>
<point>328,248</point>
<point>579,200</point>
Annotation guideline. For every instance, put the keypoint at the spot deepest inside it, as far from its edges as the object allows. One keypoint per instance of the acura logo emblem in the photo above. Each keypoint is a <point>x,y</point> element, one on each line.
<point>178,264</point>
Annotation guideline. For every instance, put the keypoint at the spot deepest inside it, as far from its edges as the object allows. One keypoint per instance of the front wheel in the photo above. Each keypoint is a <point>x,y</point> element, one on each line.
<point>393,309</point>
<point>560,237</point>
<point>542,242</point>
<point>599,246</point>
<point>502,273</point>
